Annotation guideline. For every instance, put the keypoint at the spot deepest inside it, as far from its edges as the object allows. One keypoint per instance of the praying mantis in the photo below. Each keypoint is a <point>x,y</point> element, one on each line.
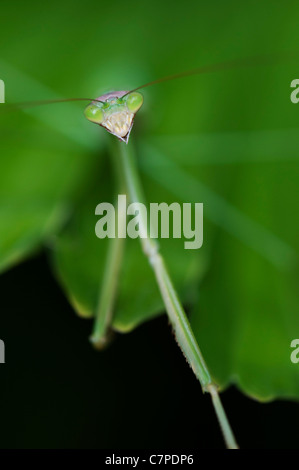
<point>115,112</point>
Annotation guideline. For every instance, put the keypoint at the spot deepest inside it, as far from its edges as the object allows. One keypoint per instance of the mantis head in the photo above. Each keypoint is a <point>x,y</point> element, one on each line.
<point>115,112</point>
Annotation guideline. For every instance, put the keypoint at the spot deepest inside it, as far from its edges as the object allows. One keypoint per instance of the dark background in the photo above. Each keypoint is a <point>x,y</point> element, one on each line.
<point>58,392</point>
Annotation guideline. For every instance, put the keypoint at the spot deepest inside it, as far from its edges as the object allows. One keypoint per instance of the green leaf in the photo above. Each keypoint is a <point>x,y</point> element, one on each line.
<point>39,175</point>
<point>50,157</point>
<point>247,312</point>
<point>79,259</point>
<point>258,314</point>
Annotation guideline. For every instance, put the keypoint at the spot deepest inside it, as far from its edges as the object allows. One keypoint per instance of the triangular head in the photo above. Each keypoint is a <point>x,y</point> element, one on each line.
<point>115,112</point>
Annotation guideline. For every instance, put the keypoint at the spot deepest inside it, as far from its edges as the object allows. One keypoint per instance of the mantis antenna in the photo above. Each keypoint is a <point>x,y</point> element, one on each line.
<point>29,104</point>
<point>231,64</point>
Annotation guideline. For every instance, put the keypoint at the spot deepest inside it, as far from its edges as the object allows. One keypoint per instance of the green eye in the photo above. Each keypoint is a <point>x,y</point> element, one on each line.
<point>94,113</point>
<point>134,101</point>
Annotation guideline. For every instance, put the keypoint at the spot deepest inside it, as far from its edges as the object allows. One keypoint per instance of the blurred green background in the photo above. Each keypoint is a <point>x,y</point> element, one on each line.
<point>227,139</point>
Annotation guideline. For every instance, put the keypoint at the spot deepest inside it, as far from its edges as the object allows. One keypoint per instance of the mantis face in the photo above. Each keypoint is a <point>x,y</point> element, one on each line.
<point>115,112</point>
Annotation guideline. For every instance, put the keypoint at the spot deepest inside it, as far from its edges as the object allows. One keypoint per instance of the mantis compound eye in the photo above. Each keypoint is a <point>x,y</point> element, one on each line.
<point>94,113</point>
<point>115,112</point>
<point>134,101</point>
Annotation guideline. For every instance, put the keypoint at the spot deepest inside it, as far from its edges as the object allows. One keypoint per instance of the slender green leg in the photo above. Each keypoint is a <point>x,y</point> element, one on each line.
<point>108,291</point>
<point>104,310</point>
<point>174,309</point>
